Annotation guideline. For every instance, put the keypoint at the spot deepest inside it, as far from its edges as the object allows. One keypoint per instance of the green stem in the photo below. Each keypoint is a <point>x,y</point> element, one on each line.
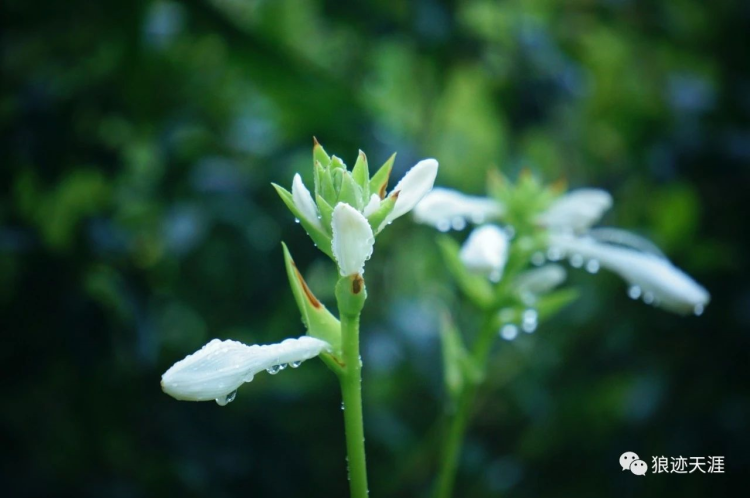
<point>460,418</point>
<point>351,393</point>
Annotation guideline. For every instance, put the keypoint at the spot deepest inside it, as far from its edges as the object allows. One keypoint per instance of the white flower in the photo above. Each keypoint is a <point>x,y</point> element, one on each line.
<point>653,277</point>
<point>486,251</point>
<point>304,202</point>
<point>540,280</point>
<point>445,209</point>
<point>216,371</point>
<point>372,205</point>
<point>415,184</point>
<point>352,239</point>
<point>577,210</point>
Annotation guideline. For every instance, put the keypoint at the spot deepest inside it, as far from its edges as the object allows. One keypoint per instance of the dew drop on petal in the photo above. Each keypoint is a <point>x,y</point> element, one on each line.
<point>225,400</point>
<point>509,332</point>
<point>295,364</point>
<point>282,366</point>
<point>273,370</point>
<point>496,275</point>
<point>443,225</point>
<point>342,405</point>
<point>537,259</point>
<point>510,231</point>
<point>576,261</point>
<point>296,220</point>
<point>530,320</point>
<point>648,297</point>
<point>634,292</point>
<point>554,254</point>
<point>458,223</point>
<point>592,266</point>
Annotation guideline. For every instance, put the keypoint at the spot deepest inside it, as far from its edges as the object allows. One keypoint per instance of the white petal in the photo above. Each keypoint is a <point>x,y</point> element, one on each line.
<point>540,280</point>
<point>656,278</point>
<point>445,209</point>
<point>220,367</point>
<point>413,187</point>
<point>304,202</point>
<point>352,239</point>
<point>577,210</point>
<point>373,205</point>
<point>486,251</point>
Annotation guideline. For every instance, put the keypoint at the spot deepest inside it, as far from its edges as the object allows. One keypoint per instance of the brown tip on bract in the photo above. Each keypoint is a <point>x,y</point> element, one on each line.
<point>315,142</point>
<point>395,195</point>
<point>310,296</point>
<point>357,284</point>
<point>525,173</point>
<point>559,186</point>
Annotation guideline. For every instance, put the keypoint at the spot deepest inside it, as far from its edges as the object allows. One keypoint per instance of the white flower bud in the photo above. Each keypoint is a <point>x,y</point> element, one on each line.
<point>304,202</point>
<point>577,210</point>
<point>415,184</point>
<point>352,239</point>
<point>486,251</point>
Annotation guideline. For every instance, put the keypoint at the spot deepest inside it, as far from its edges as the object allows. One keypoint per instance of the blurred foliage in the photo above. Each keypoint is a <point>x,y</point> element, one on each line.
<point>137,221</point>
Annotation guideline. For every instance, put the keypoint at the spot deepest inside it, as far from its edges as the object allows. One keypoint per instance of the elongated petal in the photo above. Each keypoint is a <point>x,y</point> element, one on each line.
<point>415,184</point>
<point>445,209</point>
<point>577,210</point>
<point>372,206</point>
<point>540,280</point>
<point>654,278</point>
<point>216,371</point>
<point>352,239</point>
<point>486,251</point>
<point>304,201</point>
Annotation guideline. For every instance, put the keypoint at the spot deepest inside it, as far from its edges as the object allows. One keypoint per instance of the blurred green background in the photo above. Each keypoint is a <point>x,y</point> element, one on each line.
<point>137,222</point>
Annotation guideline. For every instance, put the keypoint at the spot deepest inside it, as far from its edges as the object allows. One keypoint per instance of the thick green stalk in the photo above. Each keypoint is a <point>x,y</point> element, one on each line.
<point>460,418</point>
<point>351,393</point>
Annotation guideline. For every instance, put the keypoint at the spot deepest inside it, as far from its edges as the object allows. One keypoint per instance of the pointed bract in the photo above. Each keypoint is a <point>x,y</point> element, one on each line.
<point>353,239</point>
<point>486,251</point>
<point>216,371</point>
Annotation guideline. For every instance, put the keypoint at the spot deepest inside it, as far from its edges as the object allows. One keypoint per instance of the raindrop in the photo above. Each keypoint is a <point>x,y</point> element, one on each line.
<point>296,220</point>
<point>509,332</point>
<point>249,377</point>
<point>648,297</point>
<point>458,223</point>
<point>282,366</point>
<point>554,254</point>
<point>698,310</point>
<point>477,218</point>
<point>634,292</point>
<point>576,261</point>
<point>530,320</point>
<point>443,225</point>
<point>295,364</point>
<point>225,400</point>
<point>537,259</point>
<point>274,369</point>
<point>510,231</point>
<point>342,405</point>
<point>496,275</point>
<point>592,266</point>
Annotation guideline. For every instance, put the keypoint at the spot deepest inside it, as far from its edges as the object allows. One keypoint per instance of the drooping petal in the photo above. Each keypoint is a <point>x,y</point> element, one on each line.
<point>304,202</point>
<point>577,210</point>
<point>352,239</point>
<point>540,280</point>
<point>652,277</point>
<point>486,251</point>
<point>215,371</point>
<point>372,206</point>
<point>445,209</point>
<point>415,184</point>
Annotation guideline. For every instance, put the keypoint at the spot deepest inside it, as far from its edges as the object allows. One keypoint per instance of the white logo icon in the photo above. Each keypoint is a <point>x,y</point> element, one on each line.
<point>639,468</point>
<point>627,458</point>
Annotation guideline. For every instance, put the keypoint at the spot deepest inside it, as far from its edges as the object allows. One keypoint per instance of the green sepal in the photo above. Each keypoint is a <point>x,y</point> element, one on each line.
<point>361,175</point>
<point>321,239</point>
<point>377,218</point>
<point>326,214</point>
<point>325,182</point>
<point>350,192</point>
<point>475,287</point>
<point>379,181</point>
<point>320,323</point>
<point>351,295</point>
<point>320,155</point>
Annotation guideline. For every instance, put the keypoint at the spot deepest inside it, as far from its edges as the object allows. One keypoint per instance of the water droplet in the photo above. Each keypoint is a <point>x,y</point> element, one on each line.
<point>477,218</point>
<point>496,275</point>
<point>273,370</point>
<point>554,254</point>
<point>342,405</point>
<point>360,361</point>
<point>509,332</point>
<point>510,231</point>
<point>530,320</point>
<point>443,225</point>
<point>648,297</point>
<point>225,400</point>
<point>296,220</point>
<point>295,364</point>
<point>458,223</point>
<point>634,292</point>
<point>537,259</point>
<point>576,261</point>
<point>248,378</point>
<point>592,266</point>
<point>698,310</point>
<point>282,366</point>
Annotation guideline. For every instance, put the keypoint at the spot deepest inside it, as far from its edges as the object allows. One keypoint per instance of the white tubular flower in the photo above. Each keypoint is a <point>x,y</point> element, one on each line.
<point>352,239</point>
<point>486,251</point>
<point>540,280</point>
<point>216,370</point>
<point>651,277</point>
<point>372,206</point>
<point>304,202</point>
<point>415,184</point>
<point>577,210</point>
<point>445,209</point>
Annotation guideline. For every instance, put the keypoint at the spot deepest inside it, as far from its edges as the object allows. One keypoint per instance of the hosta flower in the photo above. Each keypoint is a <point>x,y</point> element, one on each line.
<point>349,208</point>
<point>486,251</point>
<point>219,368</point>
